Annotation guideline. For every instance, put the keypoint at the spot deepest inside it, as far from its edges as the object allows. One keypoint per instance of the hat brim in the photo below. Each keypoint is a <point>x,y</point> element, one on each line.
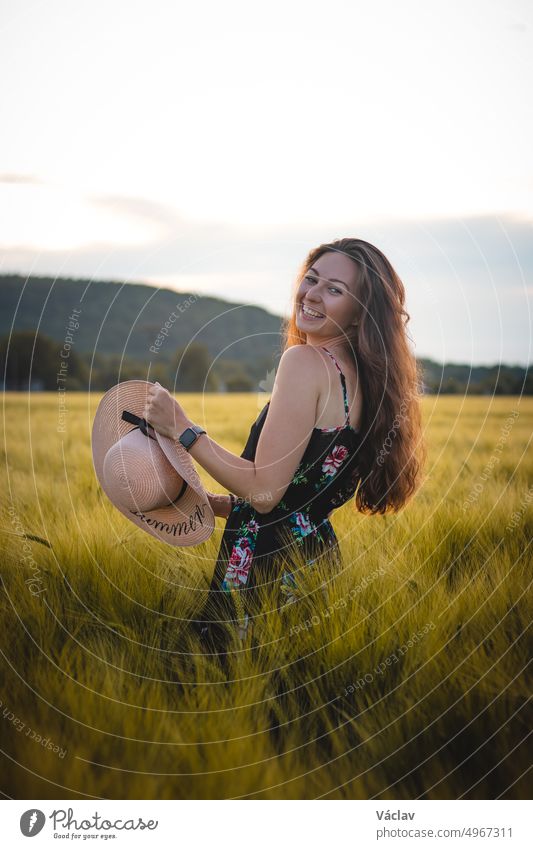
<point>190,520</point>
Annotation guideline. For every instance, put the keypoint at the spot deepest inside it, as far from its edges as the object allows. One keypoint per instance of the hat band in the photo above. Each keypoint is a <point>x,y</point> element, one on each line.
<point>137,421</point>
<point>182,490</point>
<point>142,424</point>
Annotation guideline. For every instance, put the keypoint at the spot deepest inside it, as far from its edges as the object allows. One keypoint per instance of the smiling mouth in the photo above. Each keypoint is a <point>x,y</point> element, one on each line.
<point>310,313</point>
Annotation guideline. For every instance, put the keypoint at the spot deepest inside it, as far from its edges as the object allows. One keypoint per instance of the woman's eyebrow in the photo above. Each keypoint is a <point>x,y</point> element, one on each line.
<point>333,279</point>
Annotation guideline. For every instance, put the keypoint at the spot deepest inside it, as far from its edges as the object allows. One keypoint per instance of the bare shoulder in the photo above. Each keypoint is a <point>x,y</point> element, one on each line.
<point>301,357</point>
<point>315,362</point>
<point>297,362</point>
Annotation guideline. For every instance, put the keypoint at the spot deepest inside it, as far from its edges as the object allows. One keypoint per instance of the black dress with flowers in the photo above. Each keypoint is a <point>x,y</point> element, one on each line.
<point>256,547</point>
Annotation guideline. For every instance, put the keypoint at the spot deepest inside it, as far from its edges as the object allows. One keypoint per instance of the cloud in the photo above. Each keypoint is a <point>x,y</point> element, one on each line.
<point>475,249</point>
<point>19,178</point>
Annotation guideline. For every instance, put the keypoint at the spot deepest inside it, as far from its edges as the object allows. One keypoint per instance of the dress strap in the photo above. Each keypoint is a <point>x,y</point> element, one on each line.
<point>343,381</point>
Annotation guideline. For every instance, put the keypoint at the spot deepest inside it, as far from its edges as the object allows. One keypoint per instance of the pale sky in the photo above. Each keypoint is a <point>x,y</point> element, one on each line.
<point>208,146</point>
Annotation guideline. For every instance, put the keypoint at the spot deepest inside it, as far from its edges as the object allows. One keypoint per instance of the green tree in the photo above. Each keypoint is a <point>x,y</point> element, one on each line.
<point>239,383</point>
<point>193,369</point>
<point>30,360</point>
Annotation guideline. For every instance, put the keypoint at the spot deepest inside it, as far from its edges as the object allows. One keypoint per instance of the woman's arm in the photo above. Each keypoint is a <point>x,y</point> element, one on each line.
<point>284,437</point>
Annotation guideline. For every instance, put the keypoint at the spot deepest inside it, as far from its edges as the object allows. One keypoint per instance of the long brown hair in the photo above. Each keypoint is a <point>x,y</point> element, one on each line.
<point>392,451</point>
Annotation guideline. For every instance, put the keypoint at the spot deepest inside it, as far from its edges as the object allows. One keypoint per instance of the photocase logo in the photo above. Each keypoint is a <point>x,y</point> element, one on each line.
<point>31,822</point>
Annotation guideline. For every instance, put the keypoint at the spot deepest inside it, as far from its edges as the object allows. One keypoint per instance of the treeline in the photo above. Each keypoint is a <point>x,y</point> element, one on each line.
<point>463,379</point>
<point>33,361</point>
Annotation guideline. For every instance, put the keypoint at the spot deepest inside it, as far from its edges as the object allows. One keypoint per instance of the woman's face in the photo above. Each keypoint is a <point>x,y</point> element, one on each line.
<point>329,288</point>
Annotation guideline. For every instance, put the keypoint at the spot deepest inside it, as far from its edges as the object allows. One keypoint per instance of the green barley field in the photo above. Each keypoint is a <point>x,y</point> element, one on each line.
<point>405,676</point>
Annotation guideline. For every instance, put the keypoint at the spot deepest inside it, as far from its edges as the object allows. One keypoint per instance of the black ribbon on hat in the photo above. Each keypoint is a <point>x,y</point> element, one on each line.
<point>143,425</point>
<point>137,421</point>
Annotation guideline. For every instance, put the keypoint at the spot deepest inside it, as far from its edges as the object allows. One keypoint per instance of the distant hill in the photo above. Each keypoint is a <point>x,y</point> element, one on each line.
<point>126,318</point>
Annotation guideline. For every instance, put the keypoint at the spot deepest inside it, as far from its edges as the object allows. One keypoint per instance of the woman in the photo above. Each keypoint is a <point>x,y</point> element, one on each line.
<point>343,422</point>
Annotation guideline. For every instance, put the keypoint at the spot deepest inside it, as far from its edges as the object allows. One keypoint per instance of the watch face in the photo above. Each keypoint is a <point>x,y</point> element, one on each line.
<point>187,437</point>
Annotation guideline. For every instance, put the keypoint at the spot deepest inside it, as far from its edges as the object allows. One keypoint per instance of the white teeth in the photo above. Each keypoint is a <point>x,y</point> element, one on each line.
<point>312,313</point>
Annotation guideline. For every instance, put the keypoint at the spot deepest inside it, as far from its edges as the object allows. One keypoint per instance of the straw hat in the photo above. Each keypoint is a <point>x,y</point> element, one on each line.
<point>150,478</point>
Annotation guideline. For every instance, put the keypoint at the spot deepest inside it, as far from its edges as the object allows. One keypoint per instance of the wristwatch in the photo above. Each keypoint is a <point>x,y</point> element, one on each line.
<point>190,435</point>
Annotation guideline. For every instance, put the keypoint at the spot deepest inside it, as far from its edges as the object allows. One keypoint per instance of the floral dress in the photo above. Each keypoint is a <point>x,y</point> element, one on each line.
<point>256,547</point>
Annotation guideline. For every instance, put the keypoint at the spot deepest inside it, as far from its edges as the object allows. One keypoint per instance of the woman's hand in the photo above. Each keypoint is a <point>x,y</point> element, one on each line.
<point>164,413</point>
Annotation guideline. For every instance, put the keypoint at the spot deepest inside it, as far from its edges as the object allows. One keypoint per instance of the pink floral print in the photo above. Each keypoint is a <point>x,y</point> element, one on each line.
<point>334,460</point>
<point>303,523</point>
<point>241,557</point>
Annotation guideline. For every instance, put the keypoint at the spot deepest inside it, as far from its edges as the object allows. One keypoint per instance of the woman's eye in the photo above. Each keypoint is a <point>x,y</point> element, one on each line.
<point>314,279</point>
